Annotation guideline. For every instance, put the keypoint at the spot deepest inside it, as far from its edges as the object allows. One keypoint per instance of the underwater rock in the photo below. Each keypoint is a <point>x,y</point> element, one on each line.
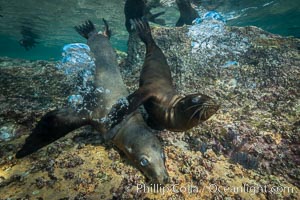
<point>248,161</point>
<point>10,131</point>
<point>239,66</point>
<point>257,125</point>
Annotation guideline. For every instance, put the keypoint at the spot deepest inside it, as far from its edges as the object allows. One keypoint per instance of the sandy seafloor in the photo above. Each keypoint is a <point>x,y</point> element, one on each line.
<point>251,142</point>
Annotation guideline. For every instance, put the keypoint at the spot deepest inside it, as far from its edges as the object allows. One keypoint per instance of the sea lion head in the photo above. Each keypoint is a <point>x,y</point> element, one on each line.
<point>151,160</point>
<point>142,148</point>
<point>197,107</point>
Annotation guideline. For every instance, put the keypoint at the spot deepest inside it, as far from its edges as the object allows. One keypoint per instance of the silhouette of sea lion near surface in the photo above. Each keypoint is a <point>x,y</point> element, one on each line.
<point>29,38</point>
<point>138,8</point>
<point>187,13</point>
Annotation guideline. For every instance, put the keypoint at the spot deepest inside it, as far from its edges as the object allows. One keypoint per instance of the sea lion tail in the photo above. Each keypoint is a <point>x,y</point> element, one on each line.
<point>54,125</point>
<point>86,30</point>
<point>143,29</point>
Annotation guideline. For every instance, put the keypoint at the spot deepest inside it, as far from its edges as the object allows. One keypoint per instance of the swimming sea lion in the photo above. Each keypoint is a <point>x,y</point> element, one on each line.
<point>166,109</point>
<point>187,12</point>
<point>137,9</point>
<point>132,135</point>
<point>28,40</point>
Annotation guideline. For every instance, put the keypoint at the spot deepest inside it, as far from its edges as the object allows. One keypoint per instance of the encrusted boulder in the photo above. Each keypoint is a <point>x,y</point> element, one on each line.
<point>253,73</point>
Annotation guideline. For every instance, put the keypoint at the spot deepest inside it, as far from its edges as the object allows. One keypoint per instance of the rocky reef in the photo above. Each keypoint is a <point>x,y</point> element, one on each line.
<point>249,149</point>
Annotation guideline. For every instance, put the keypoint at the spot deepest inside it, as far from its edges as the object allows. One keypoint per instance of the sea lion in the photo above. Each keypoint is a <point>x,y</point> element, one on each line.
<point>137,9</point>
<point>187,12</point>
<point>132,136</point>
<point>29,38</point>
<point>166,109</point>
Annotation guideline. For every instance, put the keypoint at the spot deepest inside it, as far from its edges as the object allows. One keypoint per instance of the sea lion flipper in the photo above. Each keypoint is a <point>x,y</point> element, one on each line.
<point>187,12</point>
<point>52,126</point>
<point>143,29</point>
<point>107,30</point>
<point>180,22</point>
<point>152,18</point>
<point>133,9</point>
<point>86,30</point>
<point>135,100</point>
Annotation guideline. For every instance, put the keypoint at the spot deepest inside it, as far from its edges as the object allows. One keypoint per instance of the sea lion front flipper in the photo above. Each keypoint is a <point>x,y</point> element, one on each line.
<point>52,126</point>
<point>135,100</point>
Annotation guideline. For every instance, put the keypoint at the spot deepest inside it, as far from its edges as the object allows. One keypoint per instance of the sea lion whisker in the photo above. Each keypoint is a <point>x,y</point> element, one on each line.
<point>197,110</point>
<point>199,119</point>
<point>193,106</point>
<point>201,112</point>
<point>205,112</point>
<point>211,104</point>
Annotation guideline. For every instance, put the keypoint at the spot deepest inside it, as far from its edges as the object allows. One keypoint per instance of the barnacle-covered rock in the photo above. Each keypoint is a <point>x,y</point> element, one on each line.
<point>251,143</point>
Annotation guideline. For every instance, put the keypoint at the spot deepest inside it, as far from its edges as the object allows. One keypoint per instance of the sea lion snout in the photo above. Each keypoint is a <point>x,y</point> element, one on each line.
<point>158,174</point>
<point>154,167</point>
<point>161,179</point>
<point>209,108</point>
<point>198,107</point>
<point>143,148</point>
<point>152,160</point>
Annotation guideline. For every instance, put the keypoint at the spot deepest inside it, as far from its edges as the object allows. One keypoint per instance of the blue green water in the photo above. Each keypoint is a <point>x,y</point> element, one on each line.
<point>54,20</point>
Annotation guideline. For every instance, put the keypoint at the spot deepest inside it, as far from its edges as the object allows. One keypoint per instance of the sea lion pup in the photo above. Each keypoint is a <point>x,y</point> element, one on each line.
<point>187,12</point>
<point>132,136</point>
<point>166,109</point>
<point>137,9</point>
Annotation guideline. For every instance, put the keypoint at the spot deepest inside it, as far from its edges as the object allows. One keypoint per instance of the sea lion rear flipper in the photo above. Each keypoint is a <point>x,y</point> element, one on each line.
<point>86,30</point>
<point>54,125</point>
<point>143,29</point>
<point>107,30</point>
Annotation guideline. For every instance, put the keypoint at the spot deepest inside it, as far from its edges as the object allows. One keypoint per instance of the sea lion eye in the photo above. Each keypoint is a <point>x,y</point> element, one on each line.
<point>144,162</point>
<point>196,99</point>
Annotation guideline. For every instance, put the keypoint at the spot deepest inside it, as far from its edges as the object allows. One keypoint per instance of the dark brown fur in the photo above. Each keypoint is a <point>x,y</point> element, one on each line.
<point>166,109</point>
